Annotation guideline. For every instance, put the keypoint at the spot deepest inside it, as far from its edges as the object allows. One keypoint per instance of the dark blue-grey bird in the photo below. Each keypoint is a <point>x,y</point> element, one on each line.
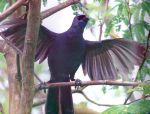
<point>66,51</point>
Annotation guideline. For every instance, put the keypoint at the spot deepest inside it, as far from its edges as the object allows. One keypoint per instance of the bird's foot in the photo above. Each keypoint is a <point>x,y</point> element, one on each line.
<point>78,83</point>
<point>43,86</point>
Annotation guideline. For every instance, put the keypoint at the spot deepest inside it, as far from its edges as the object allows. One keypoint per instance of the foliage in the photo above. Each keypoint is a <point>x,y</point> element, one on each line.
<point>139,107</point>
<point>3,5</point>
<point>145,88</point>
<point>125,18</point>
<point>128,19</point>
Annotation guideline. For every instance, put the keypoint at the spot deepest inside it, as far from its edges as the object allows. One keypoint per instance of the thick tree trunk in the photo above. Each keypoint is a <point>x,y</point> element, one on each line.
<point>33,23</point>
<point>14,83</point>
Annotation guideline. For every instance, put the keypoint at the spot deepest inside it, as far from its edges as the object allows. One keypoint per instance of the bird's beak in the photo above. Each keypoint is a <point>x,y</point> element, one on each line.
<point>83,17</point>
<point>86,18</point>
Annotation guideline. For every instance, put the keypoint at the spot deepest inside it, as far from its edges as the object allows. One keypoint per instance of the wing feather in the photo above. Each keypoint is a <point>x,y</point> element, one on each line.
<point>13,31</point>
<point>105,59</point>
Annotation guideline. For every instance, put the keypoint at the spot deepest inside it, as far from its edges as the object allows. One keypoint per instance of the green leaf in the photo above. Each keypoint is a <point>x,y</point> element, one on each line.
<point>3,5</point>
<point>75,7</point>
<point>125,10</point>
<point>120,8</point>
<point>139,31</point>
<point>94,6</point>
<point>109,27</point>
<point>146,25</point>
<point>146,6</point>
<point>91,22</point>
<point>146,88</point>
<point>126,21</point>
<point>136,13</point>
<point>2,61</point>
<point>127,34</point>
<point>139,107</point>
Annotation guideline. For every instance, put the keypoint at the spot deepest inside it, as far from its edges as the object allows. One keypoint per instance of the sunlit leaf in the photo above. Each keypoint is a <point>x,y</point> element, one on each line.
<point>93,6</point>
<point>127,34</point>
<point>146,88</point>
<point>108,28</point>
<point>139,107</point>
<point>120,8</point>
<point>138,30</point>
<point>3,5</point>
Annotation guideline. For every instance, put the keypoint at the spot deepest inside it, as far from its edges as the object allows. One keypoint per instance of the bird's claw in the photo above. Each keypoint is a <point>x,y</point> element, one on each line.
<point>43,86</point>
<point>78,83</point>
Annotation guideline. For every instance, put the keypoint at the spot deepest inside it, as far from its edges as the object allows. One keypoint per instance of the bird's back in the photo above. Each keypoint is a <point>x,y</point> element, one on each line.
<point>66,53</point>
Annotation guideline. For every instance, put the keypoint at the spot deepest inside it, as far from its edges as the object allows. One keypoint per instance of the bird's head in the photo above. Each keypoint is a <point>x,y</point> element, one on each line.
<point>80,21</point>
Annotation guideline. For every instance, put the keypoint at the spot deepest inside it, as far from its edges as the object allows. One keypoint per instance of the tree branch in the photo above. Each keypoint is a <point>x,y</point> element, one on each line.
<point>11,9</point>
<point>59,7</point>
<point>144,97</point>
<point>144,59</point>
<point>33,23</point>
<point>85,83</point>
<point>87,98</point>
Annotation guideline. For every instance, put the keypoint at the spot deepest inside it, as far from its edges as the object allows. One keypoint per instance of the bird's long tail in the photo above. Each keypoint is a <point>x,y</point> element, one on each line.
<point>59,100</point>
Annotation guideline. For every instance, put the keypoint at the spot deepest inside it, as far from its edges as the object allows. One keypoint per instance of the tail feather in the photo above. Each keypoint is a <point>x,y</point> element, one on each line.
<point>66,100</point>
<point>51,106</point>
<point>66,103</point>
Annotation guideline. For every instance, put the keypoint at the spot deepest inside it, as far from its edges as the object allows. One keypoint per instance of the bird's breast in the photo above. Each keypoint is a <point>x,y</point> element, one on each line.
<point>67,55</point>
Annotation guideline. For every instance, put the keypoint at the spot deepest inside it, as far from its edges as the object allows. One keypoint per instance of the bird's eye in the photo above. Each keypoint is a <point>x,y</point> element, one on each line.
<point>80,17</point>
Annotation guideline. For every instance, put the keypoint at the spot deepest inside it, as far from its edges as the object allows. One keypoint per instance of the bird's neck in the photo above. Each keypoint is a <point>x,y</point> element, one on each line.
<point>76,30</point>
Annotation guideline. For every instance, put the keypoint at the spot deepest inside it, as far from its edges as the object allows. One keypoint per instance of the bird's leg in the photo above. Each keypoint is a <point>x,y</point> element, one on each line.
<point>78,83</point>
<point>43,86</point>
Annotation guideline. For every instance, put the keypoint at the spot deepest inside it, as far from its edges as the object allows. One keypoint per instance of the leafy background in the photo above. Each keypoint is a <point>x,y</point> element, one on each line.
<point>122,18</point>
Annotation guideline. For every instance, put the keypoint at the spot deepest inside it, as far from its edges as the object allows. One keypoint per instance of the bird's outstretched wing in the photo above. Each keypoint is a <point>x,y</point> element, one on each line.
<point>13,32</point>
<point>104,59</point>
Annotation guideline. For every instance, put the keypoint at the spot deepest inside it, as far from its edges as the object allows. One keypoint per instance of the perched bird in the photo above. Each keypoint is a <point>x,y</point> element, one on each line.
<point>66,51</point>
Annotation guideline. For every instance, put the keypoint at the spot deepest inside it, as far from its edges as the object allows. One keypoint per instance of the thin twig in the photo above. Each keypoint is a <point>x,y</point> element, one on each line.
<point>44,14</point>
<point>144,59</point>
<point>36,76</point>
<point>59,7</point>
<point>86,97</point>
<point>41,102</point>
<point>147,96</point>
